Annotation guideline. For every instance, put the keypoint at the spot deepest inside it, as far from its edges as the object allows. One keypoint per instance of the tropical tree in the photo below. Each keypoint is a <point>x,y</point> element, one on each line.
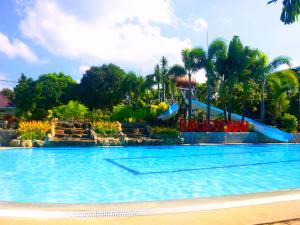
<point>216,53</point>
<point>164,72</point>
<point>263,68</point>
<point>174,72</point>
<point>101,87</point>
<point>193,60</point>
<point>290,10</point>
<point>9,93</point>
<point>24,96</point>
<point>282,86</point>
<point>50,91</point>
<point>74,110</point>
<point>157,76</point>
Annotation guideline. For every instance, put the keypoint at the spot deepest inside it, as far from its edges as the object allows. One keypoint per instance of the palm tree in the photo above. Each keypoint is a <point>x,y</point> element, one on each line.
<point>157,76</point>
<point>263,70</point>
<point>174,72</point>
<point>217,52</point>
<point>193,60</point>
<point>290,10</point>
<point>282,85</point>
<point>164,71</point>
<point>196,59</point>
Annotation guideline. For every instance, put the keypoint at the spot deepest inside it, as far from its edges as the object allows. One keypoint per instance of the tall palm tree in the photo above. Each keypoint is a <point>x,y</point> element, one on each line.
<point>157,76</point>
<point>193,60</point>
<point>196,59</point>
<point>216,52</point>
<point>282,85</point>
<point>263,70</point>
<point>164,72</point>
<point>290,10</point>
<point>174,72</point>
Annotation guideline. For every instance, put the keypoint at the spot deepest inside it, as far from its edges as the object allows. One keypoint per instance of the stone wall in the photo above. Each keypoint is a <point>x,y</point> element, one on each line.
<point>6,135</point>
<point>224,137</point>
<point>296,138</point>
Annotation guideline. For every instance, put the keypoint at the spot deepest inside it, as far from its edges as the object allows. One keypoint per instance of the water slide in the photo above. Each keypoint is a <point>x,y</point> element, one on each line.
<point>266,130</point>
<point>172,111</point>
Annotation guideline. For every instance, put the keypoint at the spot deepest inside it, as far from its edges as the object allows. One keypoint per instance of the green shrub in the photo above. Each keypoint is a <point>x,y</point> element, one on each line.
<point>105,127</point>
<point>72,111</point>
<point>30,130</point>
<point>289,122</point>
<point>98,115</point>
<point>156,109</point>
<point>165,131</point>
<point>127,113</point>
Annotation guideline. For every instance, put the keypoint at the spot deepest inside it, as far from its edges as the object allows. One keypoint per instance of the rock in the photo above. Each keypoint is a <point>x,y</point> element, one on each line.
<point>15,143</point>
<point>49,137</point>
<point>27,143</point>
<point>94,135</point>
<point>38,143</point>
<point>119,127</point>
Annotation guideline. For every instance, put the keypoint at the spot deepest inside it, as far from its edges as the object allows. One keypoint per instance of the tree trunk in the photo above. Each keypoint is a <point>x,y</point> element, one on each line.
<point>190,95</point>
<point>230,102</point>
<point>245,95</point>
<point>262,104</point>
<point>158,90</point>
<point>208,100</point>
<point>225,113</point>
<point>163,89</point>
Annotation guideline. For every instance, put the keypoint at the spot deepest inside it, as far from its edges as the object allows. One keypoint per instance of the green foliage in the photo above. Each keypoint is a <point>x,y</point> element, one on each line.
<point>167,131</point>
<point>101,87</point>
<point>30,130</point>
<point>106,128</point>
<point>289,122</point>
<point>156,109</point>
<point>7,92</point>
<point>281,87</point>
<point>71,111</point>
<point>126,113</point>
<point>24,97</point>
<point>290,11</point>
<point>34,98</point>
<point>98,115</point>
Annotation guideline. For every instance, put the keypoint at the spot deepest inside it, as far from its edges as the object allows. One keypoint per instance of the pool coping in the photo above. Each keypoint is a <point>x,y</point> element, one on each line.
<point>152,208</point>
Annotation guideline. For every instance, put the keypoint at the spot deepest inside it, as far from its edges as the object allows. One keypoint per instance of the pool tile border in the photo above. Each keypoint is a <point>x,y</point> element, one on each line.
<point>10,210</point>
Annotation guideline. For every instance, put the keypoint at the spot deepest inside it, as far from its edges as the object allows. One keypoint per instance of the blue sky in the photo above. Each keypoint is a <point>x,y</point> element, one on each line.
<point>41,36</point>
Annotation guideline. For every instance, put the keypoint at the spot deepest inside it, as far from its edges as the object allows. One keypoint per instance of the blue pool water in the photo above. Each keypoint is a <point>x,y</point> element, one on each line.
<point>97,175</point>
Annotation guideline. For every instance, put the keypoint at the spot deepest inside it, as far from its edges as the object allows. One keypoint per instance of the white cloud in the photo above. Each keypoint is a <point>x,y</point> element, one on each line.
<point>200,76</point>
<point>16,48</point>
<point>118,31</point>
<point>200,24</point>
<point>295,63</point>
<point>83,69</point>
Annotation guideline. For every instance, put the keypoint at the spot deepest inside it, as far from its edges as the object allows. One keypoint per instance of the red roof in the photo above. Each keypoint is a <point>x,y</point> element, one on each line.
<point>184,82</point>
<point>5,102</point>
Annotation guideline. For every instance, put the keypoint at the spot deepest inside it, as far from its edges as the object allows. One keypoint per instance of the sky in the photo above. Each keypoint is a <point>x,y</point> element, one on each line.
<point>43,36</point>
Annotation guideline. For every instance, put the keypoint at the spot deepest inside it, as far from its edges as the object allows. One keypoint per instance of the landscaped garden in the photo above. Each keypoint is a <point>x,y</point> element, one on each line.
<point>239,79</point>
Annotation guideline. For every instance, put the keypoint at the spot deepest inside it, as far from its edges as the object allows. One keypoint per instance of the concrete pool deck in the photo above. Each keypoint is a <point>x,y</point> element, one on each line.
<point>259,208</point>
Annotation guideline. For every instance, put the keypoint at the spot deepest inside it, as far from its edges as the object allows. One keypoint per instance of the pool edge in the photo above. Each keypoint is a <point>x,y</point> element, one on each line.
<point>49,210</point>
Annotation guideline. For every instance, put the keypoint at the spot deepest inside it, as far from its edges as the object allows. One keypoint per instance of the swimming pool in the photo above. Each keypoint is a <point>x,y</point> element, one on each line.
<point>126,174</point>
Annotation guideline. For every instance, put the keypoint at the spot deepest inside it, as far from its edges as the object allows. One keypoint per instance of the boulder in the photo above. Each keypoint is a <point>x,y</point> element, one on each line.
<point>49,137</point>
<point>26,144</point>
<point>38,143</point>
<point>93,135</point>
<point>15,143</point>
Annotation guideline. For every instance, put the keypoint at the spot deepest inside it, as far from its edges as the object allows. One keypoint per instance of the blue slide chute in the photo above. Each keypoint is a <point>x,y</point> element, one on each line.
<point>171,112</point>
<point>266,130</point>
